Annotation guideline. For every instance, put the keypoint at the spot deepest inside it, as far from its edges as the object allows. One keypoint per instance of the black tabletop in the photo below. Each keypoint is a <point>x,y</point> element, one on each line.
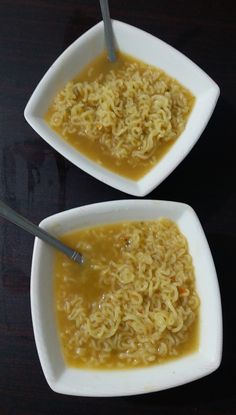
<point>37,181</point>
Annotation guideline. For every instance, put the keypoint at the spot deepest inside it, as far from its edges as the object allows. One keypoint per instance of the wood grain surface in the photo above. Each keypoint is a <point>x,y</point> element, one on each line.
<point>37,181</point>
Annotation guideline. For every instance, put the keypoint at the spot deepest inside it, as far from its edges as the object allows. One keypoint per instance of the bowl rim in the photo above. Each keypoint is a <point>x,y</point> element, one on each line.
<point>166,165</point>
<point>203,364</point>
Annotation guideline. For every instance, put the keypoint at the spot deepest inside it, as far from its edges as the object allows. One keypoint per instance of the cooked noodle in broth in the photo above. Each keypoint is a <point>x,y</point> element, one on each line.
<point>134,303</point>
<point>124,115</point>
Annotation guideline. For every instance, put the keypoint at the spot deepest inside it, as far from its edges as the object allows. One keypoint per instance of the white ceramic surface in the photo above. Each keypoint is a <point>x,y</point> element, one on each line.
<point>152,51</point>
<point>82,382</point>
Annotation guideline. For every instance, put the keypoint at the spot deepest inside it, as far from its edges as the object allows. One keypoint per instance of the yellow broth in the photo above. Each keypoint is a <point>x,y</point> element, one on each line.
<point>94,149</point>
<point>101,245</point>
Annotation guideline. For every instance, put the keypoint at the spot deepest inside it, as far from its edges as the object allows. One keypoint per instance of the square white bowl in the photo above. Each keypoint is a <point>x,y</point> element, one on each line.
<point>149,49</point>
<point>81,382</point>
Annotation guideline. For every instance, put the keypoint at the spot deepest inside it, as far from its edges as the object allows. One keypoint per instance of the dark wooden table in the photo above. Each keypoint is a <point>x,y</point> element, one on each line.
<point>38,182</point>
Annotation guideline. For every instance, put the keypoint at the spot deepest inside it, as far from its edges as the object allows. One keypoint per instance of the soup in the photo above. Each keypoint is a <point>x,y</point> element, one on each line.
<point>133,303</point>
<point>124,115</point>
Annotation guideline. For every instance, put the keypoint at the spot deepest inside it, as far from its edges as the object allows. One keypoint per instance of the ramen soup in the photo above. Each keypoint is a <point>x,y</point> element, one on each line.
<point>124,115</point>
<point>133,303</point>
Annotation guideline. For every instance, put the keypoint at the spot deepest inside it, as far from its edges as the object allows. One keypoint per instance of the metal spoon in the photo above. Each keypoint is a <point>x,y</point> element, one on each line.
<point>14,217</point>
<point>108,30</point>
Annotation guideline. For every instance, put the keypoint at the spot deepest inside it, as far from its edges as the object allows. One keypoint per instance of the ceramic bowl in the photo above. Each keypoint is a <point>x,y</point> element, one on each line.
<point>81,382</point>
<point>149,49</point>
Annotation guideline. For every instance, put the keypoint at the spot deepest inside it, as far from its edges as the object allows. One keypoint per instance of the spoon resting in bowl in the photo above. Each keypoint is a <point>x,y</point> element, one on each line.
<point>14,217</point>
<point>109,39</point>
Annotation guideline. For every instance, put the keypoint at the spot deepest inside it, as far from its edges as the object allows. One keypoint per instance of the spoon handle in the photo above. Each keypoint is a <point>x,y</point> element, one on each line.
<point>14,217</point>
<point>108,30</point>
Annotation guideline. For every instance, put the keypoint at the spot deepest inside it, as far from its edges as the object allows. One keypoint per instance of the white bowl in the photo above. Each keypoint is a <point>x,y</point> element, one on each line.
<point>152,51</point>
<point>81,382</point>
